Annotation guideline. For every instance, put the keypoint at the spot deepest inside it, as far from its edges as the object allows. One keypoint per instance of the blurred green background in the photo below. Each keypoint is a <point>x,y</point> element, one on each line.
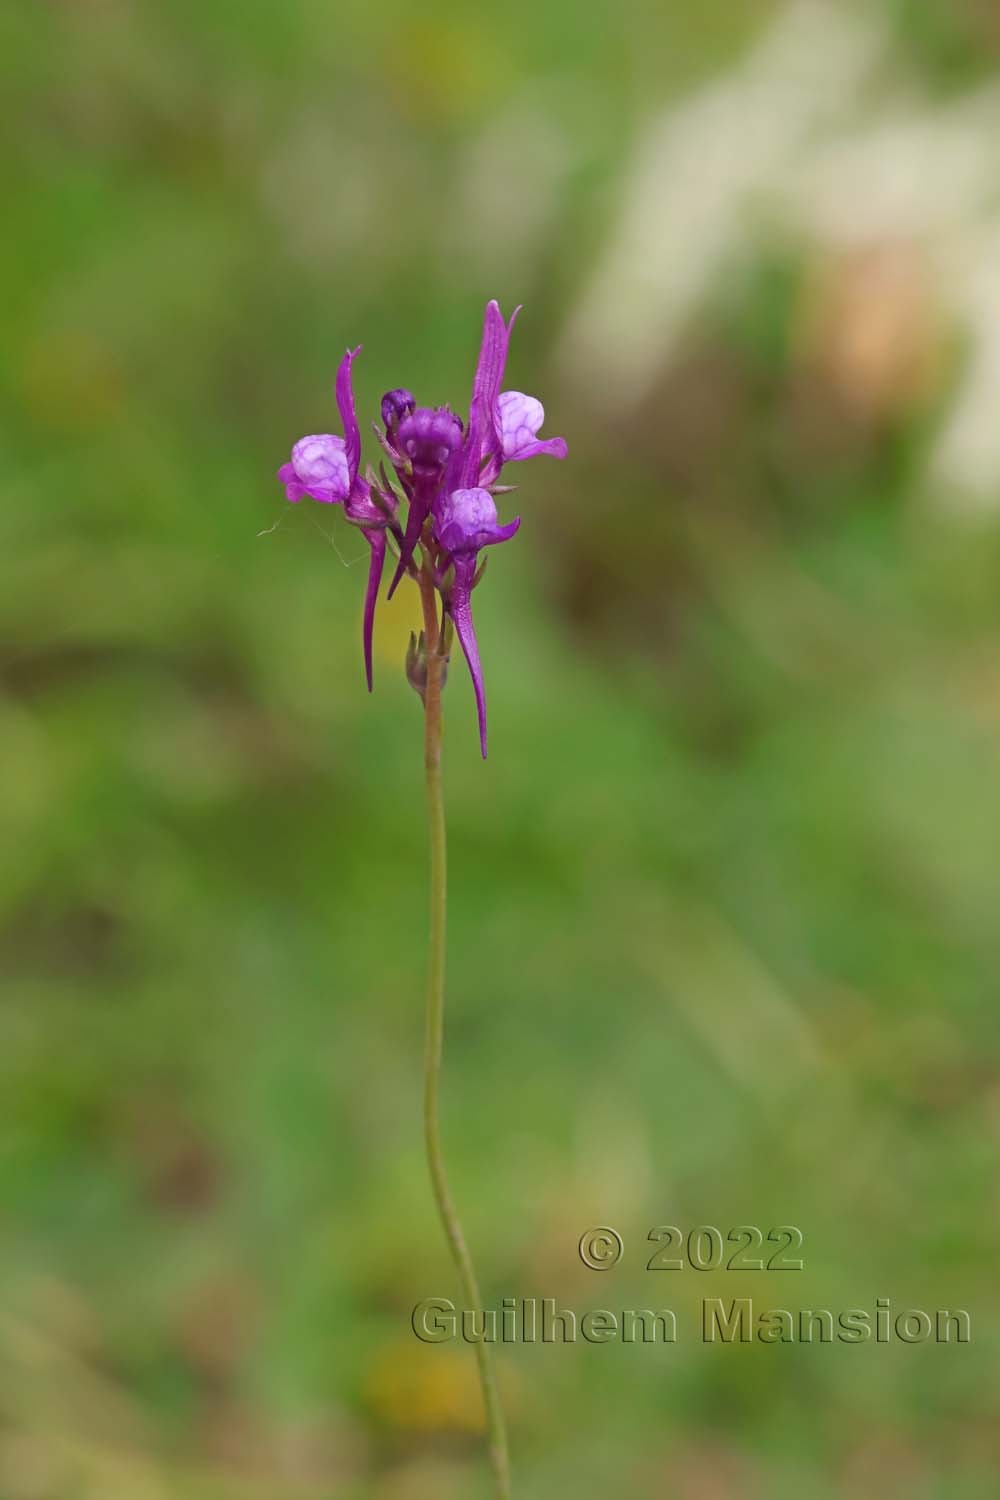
<point>724,943</point>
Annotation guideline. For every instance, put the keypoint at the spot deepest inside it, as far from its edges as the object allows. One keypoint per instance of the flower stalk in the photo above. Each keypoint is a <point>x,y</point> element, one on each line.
<point>437,843</point>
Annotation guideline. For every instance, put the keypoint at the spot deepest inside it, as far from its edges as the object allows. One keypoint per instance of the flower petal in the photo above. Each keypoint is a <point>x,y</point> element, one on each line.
<point>461,613</point>
<point>468,509</point>
<point>554,447</point>
<point>466,520</point>
<point>482,437</point>
<point>348,413</point>
<point>321,468</point>
<point>518,419</point>
<point>376,541</point>
<point>293,489</point>
<point>492,355</point>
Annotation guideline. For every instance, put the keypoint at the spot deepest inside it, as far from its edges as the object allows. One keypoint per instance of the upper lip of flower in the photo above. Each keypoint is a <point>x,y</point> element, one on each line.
<point>348,413</point>
<point>517,420</point>
<point>481,439</point>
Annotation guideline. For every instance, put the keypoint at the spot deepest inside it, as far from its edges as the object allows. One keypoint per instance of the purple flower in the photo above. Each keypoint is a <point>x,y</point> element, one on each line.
<point>448,475</point>
<point>318,468</point>
<point>503,426</point>
<point>518,418</point>
<point>325,468</point>
<point>465,521</point>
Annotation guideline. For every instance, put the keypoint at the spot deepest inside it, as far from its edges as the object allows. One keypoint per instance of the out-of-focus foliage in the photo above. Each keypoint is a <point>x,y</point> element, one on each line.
<point>724,942</point>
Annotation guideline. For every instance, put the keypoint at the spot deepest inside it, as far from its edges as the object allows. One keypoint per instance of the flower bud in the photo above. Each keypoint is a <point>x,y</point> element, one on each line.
<point>428,437</point>
<point>416,665</point>
<point>396,405</point>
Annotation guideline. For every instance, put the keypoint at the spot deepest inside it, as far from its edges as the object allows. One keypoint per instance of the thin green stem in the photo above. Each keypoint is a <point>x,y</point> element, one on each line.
<point>495,1426</point>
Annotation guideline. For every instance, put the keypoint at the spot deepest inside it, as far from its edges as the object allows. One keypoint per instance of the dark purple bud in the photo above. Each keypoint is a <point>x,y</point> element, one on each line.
<point>428,437</point>
<point>395,406</point>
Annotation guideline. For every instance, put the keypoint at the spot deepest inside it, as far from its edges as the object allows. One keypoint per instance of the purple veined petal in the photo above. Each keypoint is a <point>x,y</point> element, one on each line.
<point>376,541</point>
<point>455,540</point>
<point>482,437</point>
<point>518,419</point>
<point>348,413</point>
<point>466,520</point>
<point>492,355</point>
<point>489,536</point>
<point>293,489</point>
<point>467,509</point>
<point>320,465</point>
<point>554,447</point>
<point>461,613</point>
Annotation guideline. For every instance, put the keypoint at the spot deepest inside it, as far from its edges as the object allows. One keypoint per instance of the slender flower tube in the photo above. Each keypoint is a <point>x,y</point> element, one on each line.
<point>325,468</point>
<point>374,520</point>
<point>466,521</point>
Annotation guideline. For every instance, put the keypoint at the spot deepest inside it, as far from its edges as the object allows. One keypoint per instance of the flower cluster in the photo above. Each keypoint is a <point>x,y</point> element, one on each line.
<point>447,473</point>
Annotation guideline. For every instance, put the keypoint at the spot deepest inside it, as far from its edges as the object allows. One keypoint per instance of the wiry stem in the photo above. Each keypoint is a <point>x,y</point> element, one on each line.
<point>495,1426</point>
